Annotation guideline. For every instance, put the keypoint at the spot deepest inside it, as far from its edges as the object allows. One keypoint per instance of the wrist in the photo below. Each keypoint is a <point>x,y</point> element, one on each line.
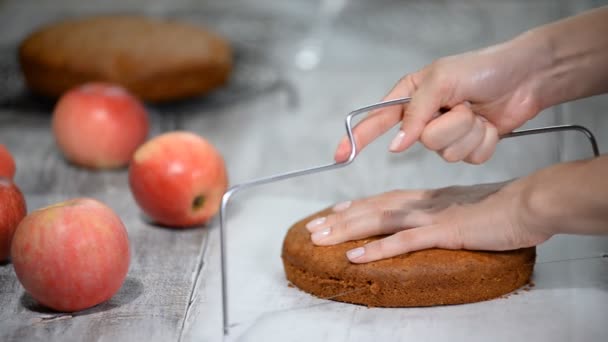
<point>567,198</point>
<point>535,51</point>
<point>566,58</point>
<point>539,203</point>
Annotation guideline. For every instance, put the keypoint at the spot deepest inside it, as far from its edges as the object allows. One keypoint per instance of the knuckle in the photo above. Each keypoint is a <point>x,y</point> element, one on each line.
<point>405,237</point>
<point>437,66</point>
<point>477,161</point>
<point>342,228</point>
<point>380,248</point>
<point>383,122</point>
<point>513,238</point>
<point>506,123</point>
<point>406,79</point>
<point>439,81</point>
<point>410,114</point>
<point>413,80</point>
<point>377,205</point>
<point>336,218</point>
<point>454,238</point>
<point>427,139</point>
<point>341,231</point>
<point>469,119</point>
<point>393,193</point>
<point>450,155</point>
<point>388,214</point>
<point>476,158</point>
<point>388,199</point>
<point>358,137</point>
<point>458,237</point>
<point>376,127</point>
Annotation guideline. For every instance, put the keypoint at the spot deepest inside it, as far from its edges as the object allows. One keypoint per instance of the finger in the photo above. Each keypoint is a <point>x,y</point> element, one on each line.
<point>465,145</point>
<point>448,128</point>
<point>349,210</point>
<point>399,243</point>
<point>387,198</point>
<point>369,129</point>
<point>378,122</point>
<point>411,240</point>
<point>355,209</point>
<point>426,101</point>
<point>486,149</point>
<point>379,222</point>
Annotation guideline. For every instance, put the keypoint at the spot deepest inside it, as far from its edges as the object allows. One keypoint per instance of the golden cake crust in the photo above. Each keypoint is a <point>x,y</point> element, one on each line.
<point>155,59</point>
<point>423,278</point>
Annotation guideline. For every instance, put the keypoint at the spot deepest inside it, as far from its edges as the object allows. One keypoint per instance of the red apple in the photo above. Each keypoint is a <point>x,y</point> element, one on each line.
<point>12,211</point>
<point>72,255</point>
<point>178,179</point>
<point>7,163</point>
<point>99,125</point>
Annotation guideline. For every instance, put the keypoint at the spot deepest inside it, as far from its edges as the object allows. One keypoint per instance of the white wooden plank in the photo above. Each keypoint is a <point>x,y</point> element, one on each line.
<point>255,273</point>
<point>568,298</point>
<point>152,303</point>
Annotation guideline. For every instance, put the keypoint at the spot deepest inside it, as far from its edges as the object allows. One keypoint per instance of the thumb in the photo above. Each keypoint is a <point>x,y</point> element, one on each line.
<point>426,102</point>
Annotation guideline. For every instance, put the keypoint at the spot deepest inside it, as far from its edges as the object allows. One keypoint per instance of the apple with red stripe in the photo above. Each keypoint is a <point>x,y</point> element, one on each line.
<point>178,179</point>
<point>71,255</point>
<point>99,125</point>
<point>7,163</point>
<point>12,211</point>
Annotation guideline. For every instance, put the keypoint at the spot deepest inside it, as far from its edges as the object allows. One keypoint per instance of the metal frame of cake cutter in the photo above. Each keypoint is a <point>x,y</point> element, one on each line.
<point>353,153</point>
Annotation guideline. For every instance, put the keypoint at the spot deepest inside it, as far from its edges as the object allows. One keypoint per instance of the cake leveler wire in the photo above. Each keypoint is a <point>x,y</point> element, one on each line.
<point>353,153</point>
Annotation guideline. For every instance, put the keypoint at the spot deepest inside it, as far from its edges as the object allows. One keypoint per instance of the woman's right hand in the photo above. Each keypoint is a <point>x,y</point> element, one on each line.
<point>481,95</point>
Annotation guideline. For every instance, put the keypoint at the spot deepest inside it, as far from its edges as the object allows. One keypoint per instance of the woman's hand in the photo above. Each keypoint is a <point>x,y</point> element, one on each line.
<point>480,217</point>
<point>490,92</point>
<point>460,105</point>
<point>480,94</point>
<point>566,198</point>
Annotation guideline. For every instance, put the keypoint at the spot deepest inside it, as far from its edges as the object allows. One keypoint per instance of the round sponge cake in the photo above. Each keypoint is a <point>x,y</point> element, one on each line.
<point>156,60</point>
<point>423,278</point>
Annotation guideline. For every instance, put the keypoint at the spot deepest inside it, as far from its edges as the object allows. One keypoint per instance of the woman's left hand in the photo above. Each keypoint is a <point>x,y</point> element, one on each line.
<point>478,217</point>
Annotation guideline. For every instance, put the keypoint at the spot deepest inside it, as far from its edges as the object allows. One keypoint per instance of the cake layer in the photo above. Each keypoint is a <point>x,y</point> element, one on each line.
<point>423,278</point>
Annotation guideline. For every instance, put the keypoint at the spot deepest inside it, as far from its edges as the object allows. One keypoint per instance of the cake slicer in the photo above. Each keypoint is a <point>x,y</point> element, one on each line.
<point>330,166</point>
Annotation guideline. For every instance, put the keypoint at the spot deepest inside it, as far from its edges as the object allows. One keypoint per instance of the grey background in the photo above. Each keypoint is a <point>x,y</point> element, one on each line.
<point>274,116</point>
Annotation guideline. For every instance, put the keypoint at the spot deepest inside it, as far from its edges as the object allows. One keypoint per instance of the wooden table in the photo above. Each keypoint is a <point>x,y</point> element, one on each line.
<point>281,112</point>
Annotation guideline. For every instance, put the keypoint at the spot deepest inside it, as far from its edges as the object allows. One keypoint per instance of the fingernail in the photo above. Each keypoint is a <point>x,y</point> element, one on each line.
<point>397,141</point>
<point>320,235</point>
<point>355,253</point>
<point>342,206</point>
<point>315,223</point>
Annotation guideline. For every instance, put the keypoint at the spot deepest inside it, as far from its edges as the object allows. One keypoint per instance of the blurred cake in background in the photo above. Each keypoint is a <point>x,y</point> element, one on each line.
<point>157,60</point>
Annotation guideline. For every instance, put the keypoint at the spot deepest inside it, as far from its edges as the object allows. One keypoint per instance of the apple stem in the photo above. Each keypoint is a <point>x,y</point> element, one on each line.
<point>198,202</point>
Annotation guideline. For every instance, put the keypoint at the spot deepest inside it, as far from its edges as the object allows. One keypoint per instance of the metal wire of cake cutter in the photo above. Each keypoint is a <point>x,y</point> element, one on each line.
<point>353,153</point>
